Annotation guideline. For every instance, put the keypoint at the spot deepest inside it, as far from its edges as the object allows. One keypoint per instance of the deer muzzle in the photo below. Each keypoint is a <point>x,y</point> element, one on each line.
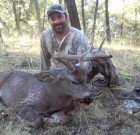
<point>86,100</point>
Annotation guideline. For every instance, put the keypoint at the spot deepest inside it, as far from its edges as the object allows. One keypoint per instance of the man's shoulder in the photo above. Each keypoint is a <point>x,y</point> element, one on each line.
<point>77,34</point>
<point>47,32</point>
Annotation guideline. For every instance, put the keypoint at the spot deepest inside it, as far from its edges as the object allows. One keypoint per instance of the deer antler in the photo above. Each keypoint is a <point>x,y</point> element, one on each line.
<point>90,56</point>
<point>66,58</point>
<point>85,57</point>
<point>102,43</point>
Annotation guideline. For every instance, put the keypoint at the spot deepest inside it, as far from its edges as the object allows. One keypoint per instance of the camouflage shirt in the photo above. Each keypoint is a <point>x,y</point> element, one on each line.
<point>76,43</point>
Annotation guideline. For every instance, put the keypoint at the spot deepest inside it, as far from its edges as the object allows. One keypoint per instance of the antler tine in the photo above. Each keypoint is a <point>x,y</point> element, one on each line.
<point>60,55</point>
<point>91,47</point>
<point>68,64</point>
<point>102,43</point>
<point>63,58</point>
<point>90,56</point>
<point>62,43</point>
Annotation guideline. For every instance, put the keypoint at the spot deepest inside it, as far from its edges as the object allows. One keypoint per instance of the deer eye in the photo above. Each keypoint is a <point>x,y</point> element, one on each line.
<point>74,83</point>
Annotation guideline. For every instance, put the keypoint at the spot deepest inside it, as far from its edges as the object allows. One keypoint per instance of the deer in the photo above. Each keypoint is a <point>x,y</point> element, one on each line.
<point>38,102</point>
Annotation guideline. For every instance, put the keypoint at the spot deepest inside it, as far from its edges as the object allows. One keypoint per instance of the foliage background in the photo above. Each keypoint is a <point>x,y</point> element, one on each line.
<point>124,18</point>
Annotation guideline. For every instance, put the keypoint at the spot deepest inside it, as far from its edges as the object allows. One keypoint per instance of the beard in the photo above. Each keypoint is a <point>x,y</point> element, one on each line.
<point>59,28</point>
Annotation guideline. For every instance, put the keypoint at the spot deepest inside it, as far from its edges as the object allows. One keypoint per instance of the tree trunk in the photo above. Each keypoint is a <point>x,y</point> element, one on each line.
<point>136,27</point>
<point>4,24</point>
<point>122,25</point>
<point>60,1</point>
<point>1,39</point>
<point>28,13</point>
<point>83,16</point>
<point>73,14</point>
<point>107,22</point>
<point>94,23</point>
<point>44,14</point>
<point>16,16</point>
<point>37,10</point>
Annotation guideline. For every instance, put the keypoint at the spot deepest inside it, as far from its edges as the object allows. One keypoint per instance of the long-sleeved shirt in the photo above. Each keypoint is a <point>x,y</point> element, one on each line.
<point>76,43</point>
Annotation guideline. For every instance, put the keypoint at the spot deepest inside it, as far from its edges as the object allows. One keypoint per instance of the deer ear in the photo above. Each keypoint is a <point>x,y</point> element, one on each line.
<point>45,77</point>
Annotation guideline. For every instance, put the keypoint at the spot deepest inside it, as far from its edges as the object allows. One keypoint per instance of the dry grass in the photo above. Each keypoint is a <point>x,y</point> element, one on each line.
<point>22,52</point>
<point>104,116</point>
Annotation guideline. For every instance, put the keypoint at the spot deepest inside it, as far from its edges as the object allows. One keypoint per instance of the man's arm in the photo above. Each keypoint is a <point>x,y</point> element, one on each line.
<point>45,55</point>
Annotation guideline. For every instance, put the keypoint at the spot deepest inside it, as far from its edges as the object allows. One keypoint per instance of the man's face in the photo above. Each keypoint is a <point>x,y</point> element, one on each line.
<point>58,22</point>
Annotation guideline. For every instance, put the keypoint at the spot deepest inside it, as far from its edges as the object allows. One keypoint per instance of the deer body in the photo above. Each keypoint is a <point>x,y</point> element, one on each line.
<point>31,98</point>
<point>35,96</point>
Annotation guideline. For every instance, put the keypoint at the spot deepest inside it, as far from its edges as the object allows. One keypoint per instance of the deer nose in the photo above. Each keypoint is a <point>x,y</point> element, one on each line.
<point>87,99</point>
<point>87,94</point>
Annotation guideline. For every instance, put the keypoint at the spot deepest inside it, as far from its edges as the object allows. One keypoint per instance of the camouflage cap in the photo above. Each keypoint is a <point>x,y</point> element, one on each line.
<point>57,8</point>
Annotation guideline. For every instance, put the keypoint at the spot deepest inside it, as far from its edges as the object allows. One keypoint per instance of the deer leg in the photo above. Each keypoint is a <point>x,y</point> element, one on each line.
<point>94,71</point>
<point>58,117</point>
<point>4,76</point>
<point>109,72</point>
<point>28,114</point>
